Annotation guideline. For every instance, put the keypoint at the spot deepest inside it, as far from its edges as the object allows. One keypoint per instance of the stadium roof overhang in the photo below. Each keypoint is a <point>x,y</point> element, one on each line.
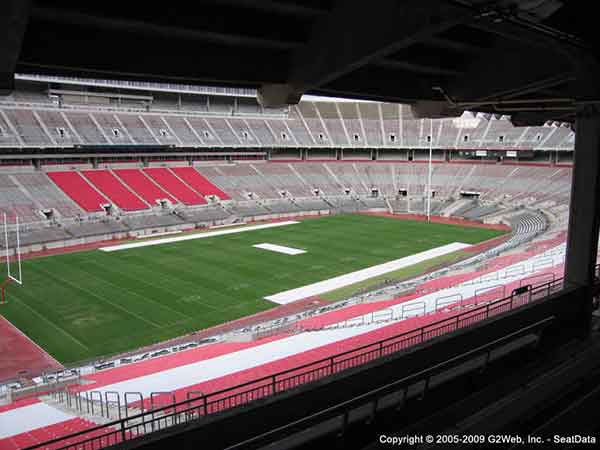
<point>532,59</point>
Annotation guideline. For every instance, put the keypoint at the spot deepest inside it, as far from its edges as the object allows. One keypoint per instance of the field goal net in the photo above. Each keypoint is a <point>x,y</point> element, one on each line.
<point>12,256</point>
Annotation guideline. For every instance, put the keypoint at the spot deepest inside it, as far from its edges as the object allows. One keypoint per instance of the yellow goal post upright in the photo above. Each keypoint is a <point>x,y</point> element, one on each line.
<point>11,277</point>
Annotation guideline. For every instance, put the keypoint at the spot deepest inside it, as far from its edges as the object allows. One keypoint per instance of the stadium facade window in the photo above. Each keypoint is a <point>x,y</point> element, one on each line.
<point>321,137</point>
<point>61,132</point>
<point>428,138</point>
<point>207,134</point>
<point>466,138</point>
<point>501,138</point>
<point>356,137</point>
<point>284,136</point>
<point>392,138</point>
<point>538,137</point>
<point>245,135</point>
<point>116,133</point>
<point>164,133</point>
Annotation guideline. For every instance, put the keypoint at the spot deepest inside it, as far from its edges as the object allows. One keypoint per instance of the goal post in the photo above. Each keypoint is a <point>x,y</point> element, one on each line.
<point>10,273</point>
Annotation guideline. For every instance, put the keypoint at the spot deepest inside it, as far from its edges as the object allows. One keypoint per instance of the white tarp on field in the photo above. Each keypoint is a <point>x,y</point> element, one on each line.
<point>361,275</point>
<point>189,237</point>
<point>280,249</point>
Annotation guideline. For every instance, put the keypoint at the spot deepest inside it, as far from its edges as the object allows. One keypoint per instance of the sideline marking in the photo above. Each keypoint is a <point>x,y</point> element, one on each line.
<point>116,248</point>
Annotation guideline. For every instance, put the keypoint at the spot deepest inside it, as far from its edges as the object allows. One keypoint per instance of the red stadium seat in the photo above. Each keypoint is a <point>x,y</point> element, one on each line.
<point>113,188</point>
<point>76,187</point>
<point>166,179</point>
<point>143,186</point>
<point>200,184</point>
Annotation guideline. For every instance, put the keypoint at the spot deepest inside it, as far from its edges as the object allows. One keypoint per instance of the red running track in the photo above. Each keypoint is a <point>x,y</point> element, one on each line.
<point>18,351</point>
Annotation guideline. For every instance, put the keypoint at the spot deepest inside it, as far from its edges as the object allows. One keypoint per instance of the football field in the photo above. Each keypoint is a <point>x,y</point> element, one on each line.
<point>93,303</point>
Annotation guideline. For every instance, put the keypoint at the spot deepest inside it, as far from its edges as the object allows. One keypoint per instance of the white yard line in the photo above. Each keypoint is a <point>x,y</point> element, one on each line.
<point>189,237</point>
<point>361,275</point>
<point>280,249</point>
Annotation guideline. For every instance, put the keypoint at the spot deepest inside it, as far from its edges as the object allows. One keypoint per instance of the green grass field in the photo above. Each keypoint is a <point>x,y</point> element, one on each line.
<point>89,304</point>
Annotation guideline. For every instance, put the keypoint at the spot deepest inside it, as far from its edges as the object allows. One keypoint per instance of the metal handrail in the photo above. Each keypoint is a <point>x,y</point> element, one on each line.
<point>129,427</point>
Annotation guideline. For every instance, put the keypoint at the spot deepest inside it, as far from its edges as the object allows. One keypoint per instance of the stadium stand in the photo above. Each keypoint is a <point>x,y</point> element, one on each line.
<point>172,184</point>
<point>76,187</point>
<point>111,127</point>
<point>199,183</point>
<point>150,221</point>
<point>143,186</point>
<point>85,128</point>
<point>27,126</point>
<point>14,202</point>
<point>207,214</point>
<point>95,228</point>
<point>136,128</point>
<point>112,187</point>
<point>46,194</point>
<point>398,186</point>
<point>311,124</point>
<point>535,238</point>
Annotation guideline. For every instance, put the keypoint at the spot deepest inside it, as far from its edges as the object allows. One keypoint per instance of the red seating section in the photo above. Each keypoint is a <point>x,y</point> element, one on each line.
<point>143,186</point>
<point>175,186</point>
<point>75,186</point>
<point>199,183</point>
<point>112,187</point>
<point>50,432</point>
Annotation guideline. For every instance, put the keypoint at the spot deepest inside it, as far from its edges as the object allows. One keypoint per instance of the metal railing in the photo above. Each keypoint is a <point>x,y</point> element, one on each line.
<point>161,417</point>
<point>372,398</point>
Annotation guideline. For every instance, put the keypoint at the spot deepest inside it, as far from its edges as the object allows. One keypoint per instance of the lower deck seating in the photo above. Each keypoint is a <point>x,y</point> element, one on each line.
<point>151,221</point>
<point>45,192</point>
<point>112,187</point>
<point>36,236</point>
<point>75,425</point>
<point>14,203</point>
<point>84,229</point>
<point>165,178</point>
<point>143,186</point>
<point>76,187</point>
<point>207,214</point>
<point>199,183</point>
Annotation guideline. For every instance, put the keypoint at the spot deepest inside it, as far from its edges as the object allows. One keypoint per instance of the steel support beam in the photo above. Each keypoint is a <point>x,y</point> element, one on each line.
<point>343,42</point>
<point>584,214</point>
<point>13,22</point>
